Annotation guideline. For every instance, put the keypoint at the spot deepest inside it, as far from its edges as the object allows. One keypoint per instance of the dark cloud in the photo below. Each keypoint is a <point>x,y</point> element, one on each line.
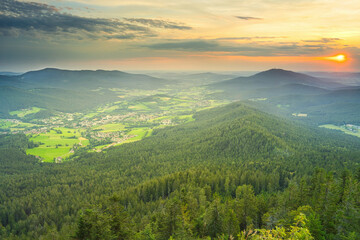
<point>248,18</point>
<point>245,49</point>
<point>158,23</point>
<point>323,40</point>
<point>247,38</point>
<point>29,17</point>
<point>197,45</point>
<point>204,46</point>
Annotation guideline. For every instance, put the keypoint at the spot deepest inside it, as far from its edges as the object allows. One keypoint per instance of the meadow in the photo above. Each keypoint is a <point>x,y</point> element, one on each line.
<point>24,112</point>
<point>135,115</point>
<point>56,143</point>
<point>15,126</point>
<point>341,128</point>
<point>112,127</point>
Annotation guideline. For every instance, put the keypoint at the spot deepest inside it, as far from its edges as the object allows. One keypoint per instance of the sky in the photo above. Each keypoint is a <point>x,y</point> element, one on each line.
<point>186,35</point>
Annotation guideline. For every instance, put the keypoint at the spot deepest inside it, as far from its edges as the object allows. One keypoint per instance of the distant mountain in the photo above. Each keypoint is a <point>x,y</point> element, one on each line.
<point>344,96</point>
<point>12,98</point>
<point>84,79</point>
<point>289,89</point>
<point>346,78</point>
<point>335,75</point>
<point>274,82</point>
<point>68,91</point>
<point>208,77</point>
<point>193,79</point>
<point>280,77</point>
<point>336,106</point>
<point>323,100</point>
<point>275,78</point>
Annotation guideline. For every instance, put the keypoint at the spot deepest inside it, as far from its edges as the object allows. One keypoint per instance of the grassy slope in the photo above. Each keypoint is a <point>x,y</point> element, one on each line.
<point>48,150</point>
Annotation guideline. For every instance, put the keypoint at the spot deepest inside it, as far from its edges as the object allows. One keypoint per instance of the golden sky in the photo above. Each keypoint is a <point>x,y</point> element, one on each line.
<point>200,35</point>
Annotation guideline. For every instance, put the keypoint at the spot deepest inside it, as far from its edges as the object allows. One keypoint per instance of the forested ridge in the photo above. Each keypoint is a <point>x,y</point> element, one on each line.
<point>234,173</point>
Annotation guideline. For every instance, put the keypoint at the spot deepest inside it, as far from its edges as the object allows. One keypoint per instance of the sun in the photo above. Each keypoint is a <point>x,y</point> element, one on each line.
<point>337,58</point>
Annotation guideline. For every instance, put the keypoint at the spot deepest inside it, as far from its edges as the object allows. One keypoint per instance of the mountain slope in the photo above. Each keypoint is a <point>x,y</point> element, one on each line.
<point>272,78</point>
<point>331,107</point>
<point>323,101</point>
<point>274,82</point>
<point>12,98</point>
<point>86,79</point>
<point>221,151</point>
<point>68,91</point>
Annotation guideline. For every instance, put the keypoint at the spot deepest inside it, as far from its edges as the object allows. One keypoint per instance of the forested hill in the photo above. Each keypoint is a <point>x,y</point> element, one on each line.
<point>234,169</point>
<point>51,98</point>
<point>276,78</point>
<point>285,92</point>
<point>80,80</point>
<point>68,91</point>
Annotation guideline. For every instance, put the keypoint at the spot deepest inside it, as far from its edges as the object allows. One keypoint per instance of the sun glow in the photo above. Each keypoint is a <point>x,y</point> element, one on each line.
<point>337,58</point>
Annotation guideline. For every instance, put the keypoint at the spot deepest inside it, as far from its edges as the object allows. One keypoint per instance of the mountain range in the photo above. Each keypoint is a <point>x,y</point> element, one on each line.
<point>84,79</point>
<point>324,99</point>
<point>68,91</point>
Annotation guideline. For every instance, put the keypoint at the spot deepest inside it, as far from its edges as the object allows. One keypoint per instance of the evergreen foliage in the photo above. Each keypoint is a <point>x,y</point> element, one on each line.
<point>234,173</point>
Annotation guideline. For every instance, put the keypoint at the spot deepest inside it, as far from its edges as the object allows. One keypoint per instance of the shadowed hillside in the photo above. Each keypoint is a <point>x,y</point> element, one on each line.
<point>68,91</point>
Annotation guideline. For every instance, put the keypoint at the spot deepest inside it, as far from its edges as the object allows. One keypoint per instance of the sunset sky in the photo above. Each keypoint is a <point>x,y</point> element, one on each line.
<point>197,35</point>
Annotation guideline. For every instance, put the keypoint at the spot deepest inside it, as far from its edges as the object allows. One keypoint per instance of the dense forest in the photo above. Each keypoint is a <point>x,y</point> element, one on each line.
<point>234,173</point>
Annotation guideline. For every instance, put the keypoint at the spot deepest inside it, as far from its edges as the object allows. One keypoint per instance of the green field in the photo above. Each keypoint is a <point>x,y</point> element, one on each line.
<point>90,115</point>
<point>138,133</point>
<point>187,118</point>
<point>7,125</point>
<point>22,113</point>
<point>341,128</point>
<point>107,109</point>
<point>177,106</point>
<point>139,107</point>
<point>55,144</point>
<point>113,127</point>
<point>48,154</point>
<point>21,126</point>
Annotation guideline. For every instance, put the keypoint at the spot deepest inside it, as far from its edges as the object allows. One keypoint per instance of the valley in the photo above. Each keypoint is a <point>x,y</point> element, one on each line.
<point>182,160</point>
<point>131,118</point>
<point>179,120</point>
<point>130,114</point>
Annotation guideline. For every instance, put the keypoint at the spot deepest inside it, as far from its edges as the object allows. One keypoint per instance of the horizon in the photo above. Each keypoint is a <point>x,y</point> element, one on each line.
<point>149,72</point>
<point>198,36</point>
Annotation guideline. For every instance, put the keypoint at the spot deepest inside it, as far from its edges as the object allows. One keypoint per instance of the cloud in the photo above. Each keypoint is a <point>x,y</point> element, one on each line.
<point>323,40</point>
<point>208,46</point>
<point>243,49</point>
<point>29,17</point>
<point>158,23</point>
<point>248,18</point>
<point>247,38</point>
<point>197,45</point>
